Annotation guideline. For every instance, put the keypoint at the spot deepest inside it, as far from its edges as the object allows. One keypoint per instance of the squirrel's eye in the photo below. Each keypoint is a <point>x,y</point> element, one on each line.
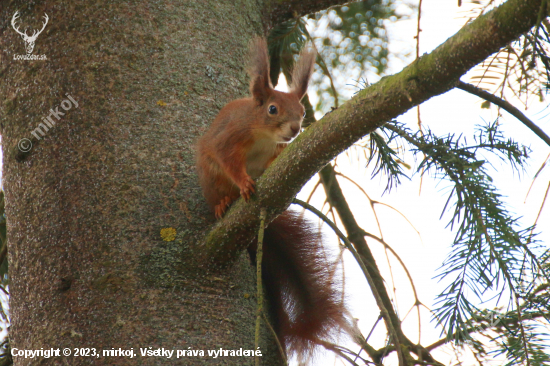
<point>272,109</point>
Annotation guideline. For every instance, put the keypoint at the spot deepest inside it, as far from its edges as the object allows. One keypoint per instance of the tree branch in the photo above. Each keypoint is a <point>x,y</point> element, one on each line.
<point>428,76</point>
<point>279,11</point>
<point>357,237</point>
<point>506,106</point>
<point>355,234</point>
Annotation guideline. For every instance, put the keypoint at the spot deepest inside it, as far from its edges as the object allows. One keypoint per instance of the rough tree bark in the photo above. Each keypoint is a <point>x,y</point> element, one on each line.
<point>89,266</point>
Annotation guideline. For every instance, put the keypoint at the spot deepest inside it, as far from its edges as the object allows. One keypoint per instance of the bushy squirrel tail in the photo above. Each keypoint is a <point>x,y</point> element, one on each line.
<point>305,302</point>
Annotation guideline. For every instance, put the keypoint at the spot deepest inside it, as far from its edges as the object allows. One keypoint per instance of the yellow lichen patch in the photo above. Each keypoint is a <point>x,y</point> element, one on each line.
<point>162,103</point>
<point>168,234</point>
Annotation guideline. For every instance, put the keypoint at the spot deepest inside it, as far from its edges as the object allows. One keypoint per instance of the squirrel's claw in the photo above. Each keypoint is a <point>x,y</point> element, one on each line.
<point>247,188</point>
<point>219,210</point>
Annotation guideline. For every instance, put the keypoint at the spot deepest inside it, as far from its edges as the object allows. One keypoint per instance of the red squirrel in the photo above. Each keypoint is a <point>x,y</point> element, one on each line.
<point>244,139</point>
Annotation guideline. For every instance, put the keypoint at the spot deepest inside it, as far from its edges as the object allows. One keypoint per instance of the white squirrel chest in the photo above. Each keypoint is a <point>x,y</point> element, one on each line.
<point>258,156</point>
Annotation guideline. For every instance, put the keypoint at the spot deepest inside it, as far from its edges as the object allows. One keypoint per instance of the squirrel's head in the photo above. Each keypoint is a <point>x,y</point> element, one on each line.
<point>281,113</point>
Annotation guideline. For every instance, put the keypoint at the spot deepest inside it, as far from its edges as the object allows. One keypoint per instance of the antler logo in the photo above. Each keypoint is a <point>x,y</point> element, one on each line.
<point>29,40</point>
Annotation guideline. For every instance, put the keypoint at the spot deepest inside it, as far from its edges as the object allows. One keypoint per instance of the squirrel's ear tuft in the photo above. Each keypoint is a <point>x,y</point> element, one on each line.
<point>302,73</point>
<point>258,69</point>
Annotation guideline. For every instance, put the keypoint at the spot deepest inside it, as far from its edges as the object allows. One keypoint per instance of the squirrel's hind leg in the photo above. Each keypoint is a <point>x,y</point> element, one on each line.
<point>220,208</point>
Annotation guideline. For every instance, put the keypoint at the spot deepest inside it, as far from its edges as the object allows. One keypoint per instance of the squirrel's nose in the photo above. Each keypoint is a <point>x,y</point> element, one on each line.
<point>295,129</point>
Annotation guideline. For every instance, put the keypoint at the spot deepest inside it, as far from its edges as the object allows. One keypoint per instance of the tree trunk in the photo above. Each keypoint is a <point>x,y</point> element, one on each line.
<point>90,263</point>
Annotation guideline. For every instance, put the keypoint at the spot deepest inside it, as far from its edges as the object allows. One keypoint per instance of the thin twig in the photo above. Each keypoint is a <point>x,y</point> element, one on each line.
<point>536,175</point>
<point>260,296</point>
<point>506,106</point>
<point>388,247</point>
<point>371,202</point>
<point>279,345</point>
<point>520,323</point>
<point>403,216</point>
<point>418,30</point>
<point>313,190</point>
<point>540,210</point>
<point>333,348</point>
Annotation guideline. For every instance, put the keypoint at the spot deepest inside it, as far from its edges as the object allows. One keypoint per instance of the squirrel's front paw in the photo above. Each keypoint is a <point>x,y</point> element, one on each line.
<point>247,187</point>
